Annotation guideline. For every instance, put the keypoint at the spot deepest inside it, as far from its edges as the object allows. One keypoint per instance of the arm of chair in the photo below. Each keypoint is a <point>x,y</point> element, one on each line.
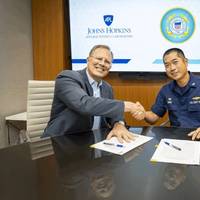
<point>165,123</point>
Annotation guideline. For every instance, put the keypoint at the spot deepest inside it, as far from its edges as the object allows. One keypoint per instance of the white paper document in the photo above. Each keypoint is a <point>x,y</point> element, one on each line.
<point>115,147</point>
<point>177,151</point>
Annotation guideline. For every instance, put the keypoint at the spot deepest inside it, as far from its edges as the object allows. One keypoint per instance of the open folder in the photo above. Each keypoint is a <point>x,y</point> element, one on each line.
<point>177,151</point>
<point>115,147</point>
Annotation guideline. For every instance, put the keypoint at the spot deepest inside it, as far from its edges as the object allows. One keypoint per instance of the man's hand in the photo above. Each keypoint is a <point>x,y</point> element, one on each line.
<point>121,132</point>
<point>195,134</point>
<point>136,109</point>
<point>130,106</point>
<point>139,113</point>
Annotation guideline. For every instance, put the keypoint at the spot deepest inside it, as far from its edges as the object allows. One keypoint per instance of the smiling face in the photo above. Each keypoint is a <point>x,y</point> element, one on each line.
<point>99,63</point>
<point>176,67</point>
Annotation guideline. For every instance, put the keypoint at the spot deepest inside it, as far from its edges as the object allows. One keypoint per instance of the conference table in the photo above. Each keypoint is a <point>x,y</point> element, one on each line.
<point>76,171</point>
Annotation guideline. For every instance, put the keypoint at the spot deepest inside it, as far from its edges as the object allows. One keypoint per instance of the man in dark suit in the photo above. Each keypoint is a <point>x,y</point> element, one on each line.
<point>83,101</point>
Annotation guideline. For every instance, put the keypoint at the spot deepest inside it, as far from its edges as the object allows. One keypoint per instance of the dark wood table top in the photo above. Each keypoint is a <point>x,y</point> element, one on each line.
<point>76,171</point>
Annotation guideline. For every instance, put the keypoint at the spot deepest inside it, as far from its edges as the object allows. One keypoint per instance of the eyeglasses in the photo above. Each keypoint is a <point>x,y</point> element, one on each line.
<point>107,63</point>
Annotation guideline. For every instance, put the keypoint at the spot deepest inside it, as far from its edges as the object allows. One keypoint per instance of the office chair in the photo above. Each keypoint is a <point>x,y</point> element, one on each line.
<point>165,123</point>
<point>39,103</point>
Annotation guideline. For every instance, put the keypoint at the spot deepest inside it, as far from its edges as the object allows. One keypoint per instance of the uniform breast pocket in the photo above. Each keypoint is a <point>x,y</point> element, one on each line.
<point>172,107</point>
<point>194,107</point>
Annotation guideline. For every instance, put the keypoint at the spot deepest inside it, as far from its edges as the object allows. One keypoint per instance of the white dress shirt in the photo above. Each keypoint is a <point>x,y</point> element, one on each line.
<point>96,93</point>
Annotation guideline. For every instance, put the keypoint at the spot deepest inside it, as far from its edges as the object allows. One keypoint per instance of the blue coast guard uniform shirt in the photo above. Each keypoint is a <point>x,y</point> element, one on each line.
<point>182,104</point>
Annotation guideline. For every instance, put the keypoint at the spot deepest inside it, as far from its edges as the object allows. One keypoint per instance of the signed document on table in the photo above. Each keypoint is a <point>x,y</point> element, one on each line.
<point>177,151</point>
<point>115,147</point>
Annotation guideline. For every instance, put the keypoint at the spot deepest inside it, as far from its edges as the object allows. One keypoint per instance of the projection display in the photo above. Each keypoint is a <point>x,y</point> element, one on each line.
<point>138,31</point>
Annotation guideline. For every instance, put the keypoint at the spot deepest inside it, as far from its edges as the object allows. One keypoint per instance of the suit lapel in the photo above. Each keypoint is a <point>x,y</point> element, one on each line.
<point>104,91</point>
<point>88,87</point>
<point>104,94</point>
<point>89,90</point>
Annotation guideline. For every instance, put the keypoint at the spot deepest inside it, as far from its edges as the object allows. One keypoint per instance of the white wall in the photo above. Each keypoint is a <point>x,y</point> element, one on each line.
<point>15,58</point>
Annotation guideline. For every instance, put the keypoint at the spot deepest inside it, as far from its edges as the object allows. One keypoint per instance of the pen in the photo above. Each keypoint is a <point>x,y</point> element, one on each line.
<point>173,146</point>
<point>112,144</point>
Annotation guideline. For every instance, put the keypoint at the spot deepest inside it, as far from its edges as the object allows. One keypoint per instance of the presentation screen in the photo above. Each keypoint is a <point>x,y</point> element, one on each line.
<point>137,31</point>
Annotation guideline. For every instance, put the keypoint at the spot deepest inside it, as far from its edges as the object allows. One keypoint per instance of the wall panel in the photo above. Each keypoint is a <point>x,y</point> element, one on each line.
<point>136,90</point>
<point>48,38</point>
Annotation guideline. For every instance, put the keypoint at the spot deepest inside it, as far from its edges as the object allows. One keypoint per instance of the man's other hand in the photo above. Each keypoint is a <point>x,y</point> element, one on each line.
<point>195,134</point>
<point>121,132</point>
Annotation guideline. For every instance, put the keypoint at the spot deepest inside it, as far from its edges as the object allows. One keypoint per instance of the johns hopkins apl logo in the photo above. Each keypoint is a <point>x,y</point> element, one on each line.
<point>177,25</point>
<point>108,19</point>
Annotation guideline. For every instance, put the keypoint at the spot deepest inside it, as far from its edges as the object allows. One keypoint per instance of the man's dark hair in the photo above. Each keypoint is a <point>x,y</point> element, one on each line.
<point>177,50</point>
<point>98,47</point>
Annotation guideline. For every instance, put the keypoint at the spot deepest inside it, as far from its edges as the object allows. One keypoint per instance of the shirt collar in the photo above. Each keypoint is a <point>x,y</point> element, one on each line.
<point>91,80</point>
<point>191,83</point>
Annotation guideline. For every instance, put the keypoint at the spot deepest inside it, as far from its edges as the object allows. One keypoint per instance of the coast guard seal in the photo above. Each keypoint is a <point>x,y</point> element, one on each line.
<point>177,25</point>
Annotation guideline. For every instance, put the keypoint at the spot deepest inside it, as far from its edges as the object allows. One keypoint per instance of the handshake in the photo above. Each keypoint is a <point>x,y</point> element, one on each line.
<point>136,109</point>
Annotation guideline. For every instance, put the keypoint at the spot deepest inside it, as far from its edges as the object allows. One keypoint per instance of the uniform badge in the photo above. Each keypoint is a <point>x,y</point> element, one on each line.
<point>196,98</point>
<point>169,100</point>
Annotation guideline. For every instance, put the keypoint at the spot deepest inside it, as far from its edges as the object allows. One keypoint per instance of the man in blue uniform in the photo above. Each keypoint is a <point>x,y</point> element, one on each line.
<point>180,97</point>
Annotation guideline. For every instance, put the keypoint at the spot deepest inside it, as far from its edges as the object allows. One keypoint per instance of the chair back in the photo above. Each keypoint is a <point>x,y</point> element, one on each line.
<point>39,103</point>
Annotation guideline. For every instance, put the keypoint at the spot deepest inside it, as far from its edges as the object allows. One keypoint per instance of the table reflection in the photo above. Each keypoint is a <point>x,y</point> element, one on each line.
<point>81,172</point>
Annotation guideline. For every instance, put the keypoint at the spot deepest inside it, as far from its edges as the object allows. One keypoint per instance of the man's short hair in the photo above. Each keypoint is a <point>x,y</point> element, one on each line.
<point>177,50</point>
<point>98,47</point>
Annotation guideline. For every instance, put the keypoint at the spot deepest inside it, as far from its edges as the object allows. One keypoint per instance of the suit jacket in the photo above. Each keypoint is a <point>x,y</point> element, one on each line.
<point>74,106</point>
